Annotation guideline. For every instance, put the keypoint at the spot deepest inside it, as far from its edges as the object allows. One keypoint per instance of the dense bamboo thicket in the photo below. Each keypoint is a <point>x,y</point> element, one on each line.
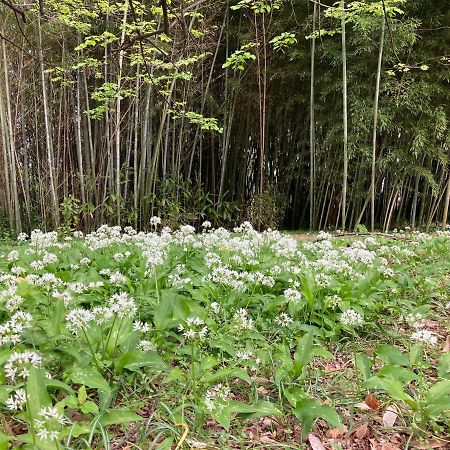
<point>288,113</point>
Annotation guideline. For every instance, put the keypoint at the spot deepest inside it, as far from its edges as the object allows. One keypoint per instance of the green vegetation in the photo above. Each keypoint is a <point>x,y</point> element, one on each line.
<point>223,340</point>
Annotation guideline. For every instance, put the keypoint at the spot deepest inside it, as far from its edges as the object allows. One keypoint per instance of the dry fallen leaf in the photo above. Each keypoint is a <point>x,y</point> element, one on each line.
<point>315,442</point>
<point>362,406</point>
<point>266,439</point>
<point>390,416</point>
<point>262,390</point>
<point>388,446</point>
<point>375,445</point>
<point>361,431</point>
<point>446,347</point>
<point>196,444</point>
<point>333,433</point>
<point>430,444</point>
<point>372,402</point>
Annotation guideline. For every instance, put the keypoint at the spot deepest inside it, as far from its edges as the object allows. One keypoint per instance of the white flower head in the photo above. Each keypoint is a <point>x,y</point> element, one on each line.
<point>16,401</point>
<point>78,319</point>
<point>193,328</point>
<point>293,295</point>
<point>425,336</point>
<point>123,305</point>
<point>352,318</point>
<point>284,320</point>
<point>19,364</point>
<point>155,221</point>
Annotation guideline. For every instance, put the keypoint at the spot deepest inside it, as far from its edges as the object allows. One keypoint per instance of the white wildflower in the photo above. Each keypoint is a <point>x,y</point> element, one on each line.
<point>351,317</point>
<point>425,336</point>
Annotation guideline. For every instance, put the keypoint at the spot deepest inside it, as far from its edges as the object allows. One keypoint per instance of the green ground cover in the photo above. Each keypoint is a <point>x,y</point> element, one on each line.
<point>218,339</point>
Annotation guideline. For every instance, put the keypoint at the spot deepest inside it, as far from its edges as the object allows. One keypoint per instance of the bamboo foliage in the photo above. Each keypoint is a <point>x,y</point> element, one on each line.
<point>224,111</point>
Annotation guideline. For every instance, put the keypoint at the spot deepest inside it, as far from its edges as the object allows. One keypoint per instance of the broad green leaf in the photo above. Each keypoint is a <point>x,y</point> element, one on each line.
<point>363,366</point>
<point>303,353</point>
<point>222,374</point>
<point>90,377</point>
<point>37,391</point>
<point>258,409</point>
<point>89,408</point>
<point>397,373</point>
<point>223,415</point>
<point>391,355</point>
<point>308,410</point>
<point>4,441</point>
<point>82,394</point>
<point>118,416</point>
<point>415,354</point>
<point>438,390</point>
<point>444,366</point>
<point>53,383</point>
<point>393,387</point>
<point>135,359</point>
<point>437,407</point>
<point>294,394</point>
<point>4,394</point>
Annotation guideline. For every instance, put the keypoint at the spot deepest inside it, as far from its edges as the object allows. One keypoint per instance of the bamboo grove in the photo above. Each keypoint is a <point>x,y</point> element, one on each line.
<point>300,113</point>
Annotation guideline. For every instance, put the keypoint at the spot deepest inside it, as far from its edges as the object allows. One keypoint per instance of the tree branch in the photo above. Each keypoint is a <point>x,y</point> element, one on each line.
<point>15,8</point>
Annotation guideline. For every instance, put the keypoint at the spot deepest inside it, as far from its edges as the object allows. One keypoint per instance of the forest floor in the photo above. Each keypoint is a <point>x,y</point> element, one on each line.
<point>217,340</point>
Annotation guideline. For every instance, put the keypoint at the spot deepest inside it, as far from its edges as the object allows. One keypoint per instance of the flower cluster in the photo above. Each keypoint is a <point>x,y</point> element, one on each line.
<point>193,328</point>
<point>351,318</point>
<point>217,397</point>
<point>19,364</point>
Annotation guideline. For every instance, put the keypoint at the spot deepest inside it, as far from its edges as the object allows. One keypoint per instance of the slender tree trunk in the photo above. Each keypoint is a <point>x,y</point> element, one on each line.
<point>375,124</point>
<point>118,116</point>
<point>446,203</point>
<point>48,134</point>
<point>345,125</point>
<point>312,134</point>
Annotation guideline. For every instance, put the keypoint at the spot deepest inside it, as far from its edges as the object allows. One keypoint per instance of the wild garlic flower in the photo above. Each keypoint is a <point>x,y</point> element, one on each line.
<point>425,336</point>
<point>118,256</point>
<point>19,363</point>
<point>77,286</point>
<point>284,320</point>
<point>17,400</point>
<point>123,305</point>
<point>146,346</point>
<point>333,301</point>
<point>102,314</point>
<point>352,318</point>
<point>18,270</point>
<point>292,295</point>
<point>142,327</point>
<point>155,221</point>
<point>217,397</point>
<point>85,261</point>
<point>244,355</point>
<point>96,284</point>
<point>242,320</point>
<point>49,423</point>
<point>11,330</point>
<point>193,328</point>
<point>414,320</point>
<point>117,278</point>
<point>66,296</point>
<point>13,255</point>
<point>37,265</point>
<point>78,319</point>
<point>215,307</point>
<point>206,224</point>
